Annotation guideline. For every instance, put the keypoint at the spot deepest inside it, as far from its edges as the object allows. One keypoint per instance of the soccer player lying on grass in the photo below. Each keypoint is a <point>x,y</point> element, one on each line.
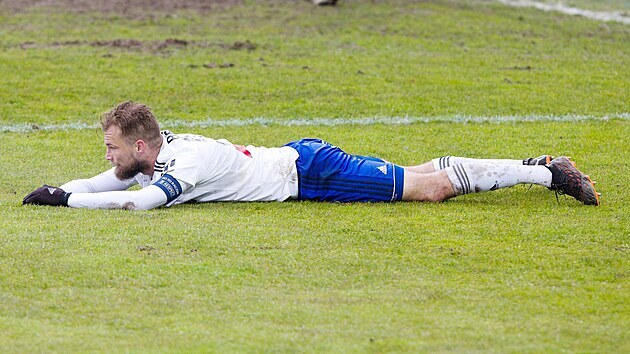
<point>178,168</point>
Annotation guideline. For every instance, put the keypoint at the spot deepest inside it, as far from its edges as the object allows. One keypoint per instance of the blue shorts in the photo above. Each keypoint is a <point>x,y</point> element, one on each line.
<point>327,173</point>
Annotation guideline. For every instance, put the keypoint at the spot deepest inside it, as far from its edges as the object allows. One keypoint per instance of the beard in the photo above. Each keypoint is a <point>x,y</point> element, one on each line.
<point>131,170</point>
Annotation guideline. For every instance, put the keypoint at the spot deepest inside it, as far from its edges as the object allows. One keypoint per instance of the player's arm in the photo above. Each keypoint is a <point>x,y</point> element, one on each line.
<point>106,181</point>
<point>165,190</point>
<point>143,199</point>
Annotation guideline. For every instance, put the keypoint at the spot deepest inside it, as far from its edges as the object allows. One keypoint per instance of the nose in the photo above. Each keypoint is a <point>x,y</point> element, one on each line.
<point>108,155</point>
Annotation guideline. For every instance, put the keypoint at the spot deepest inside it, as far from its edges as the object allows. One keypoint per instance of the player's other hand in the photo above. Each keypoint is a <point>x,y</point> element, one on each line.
<point>47,195</point>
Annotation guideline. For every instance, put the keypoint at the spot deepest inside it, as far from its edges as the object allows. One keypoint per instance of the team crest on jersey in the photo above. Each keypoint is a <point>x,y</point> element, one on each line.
<point>170,166</point>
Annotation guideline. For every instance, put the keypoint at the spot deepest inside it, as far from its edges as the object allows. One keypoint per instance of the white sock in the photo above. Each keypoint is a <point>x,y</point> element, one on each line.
<point>483,177</point>
<point>447,161</point>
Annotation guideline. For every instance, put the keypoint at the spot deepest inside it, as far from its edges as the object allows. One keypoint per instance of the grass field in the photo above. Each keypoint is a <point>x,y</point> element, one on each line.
<point>509,271</point>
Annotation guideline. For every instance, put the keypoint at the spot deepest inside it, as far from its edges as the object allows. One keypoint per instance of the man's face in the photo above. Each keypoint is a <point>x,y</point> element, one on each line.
<point>122,155</point>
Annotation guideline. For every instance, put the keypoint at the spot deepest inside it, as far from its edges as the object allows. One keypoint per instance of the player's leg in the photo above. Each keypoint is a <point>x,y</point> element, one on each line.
<point>471,178</point>
<point>424,168</point>
<point>447,161</point>
<point>427,187</point>
<point>560,175</point>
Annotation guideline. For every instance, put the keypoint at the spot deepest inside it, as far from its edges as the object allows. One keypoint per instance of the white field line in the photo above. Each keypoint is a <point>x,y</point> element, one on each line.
<point>325,122</point>
<point>616,16</point>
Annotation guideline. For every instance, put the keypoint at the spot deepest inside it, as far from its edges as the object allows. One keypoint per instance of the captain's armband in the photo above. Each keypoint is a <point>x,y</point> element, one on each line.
<point>170,186</point>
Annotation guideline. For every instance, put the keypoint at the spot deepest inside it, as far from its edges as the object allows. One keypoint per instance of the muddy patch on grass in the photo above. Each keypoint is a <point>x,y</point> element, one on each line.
<point>519,68</point>
<point>125,7</point>
<point>152,46</point>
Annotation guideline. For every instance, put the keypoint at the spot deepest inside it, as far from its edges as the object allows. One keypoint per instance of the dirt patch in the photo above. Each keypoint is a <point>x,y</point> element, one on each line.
<point>214,65</point>
<point>519,68</point>
<point>116,43</point>
<point>117,6</point>
<point>154,46</point>
<point>247,45</point>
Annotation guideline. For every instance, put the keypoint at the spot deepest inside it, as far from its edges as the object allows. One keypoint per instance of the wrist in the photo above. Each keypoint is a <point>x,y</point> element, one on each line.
<point>64,198</point>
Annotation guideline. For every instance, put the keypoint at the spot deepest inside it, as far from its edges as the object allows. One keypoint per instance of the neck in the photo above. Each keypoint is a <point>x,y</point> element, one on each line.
<point>151,159</point>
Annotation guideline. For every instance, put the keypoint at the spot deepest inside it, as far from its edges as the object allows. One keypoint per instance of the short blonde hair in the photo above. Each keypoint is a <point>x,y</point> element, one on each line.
<point>136,122</point>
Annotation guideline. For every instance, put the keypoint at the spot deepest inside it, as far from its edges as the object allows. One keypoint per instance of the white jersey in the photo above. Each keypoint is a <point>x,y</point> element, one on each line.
<point>217,170</point>
<point>195,168</point>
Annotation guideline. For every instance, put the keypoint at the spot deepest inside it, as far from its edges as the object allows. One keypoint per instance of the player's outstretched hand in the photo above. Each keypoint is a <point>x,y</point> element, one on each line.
<point>47,195</point>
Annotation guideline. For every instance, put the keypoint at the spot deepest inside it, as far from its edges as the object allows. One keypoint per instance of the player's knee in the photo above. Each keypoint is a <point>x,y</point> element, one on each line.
<point>439,193</point>
<point>433,187</point>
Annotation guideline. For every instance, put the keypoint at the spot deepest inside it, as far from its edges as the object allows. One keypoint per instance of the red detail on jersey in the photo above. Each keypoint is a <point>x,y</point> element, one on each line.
<point>243,149</point>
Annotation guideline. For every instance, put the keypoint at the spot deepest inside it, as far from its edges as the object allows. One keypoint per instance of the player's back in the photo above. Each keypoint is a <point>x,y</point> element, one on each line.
<point>217,170</point>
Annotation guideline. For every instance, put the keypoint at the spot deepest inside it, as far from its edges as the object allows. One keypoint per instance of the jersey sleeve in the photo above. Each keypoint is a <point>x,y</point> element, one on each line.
<point>106,181</point>
<point>143,199</point>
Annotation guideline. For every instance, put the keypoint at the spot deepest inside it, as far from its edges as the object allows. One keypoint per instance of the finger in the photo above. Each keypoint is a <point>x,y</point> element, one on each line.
<point>29,199</point>
<point>32,198</point>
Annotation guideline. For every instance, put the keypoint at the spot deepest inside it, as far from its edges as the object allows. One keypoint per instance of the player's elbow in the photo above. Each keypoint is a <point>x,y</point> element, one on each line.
<point>140,204</point>
<point>146,199</point>
<point>130,205</point>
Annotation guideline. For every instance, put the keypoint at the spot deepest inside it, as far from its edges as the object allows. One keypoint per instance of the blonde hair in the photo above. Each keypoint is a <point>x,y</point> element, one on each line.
<point>136,122</point>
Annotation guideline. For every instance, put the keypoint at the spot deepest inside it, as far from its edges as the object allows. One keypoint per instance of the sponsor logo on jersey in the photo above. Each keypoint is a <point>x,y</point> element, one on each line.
<point>383,169</point>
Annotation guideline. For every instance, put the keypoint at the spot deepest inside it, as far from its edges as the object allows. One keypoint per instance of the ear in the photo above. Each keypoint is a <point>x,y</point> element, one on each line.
<point>141,146</point>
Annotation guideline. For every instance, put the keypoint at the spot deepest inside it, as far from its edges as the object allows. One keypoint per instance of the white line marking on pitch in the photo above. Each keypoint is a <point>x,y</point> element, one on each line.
<point>616,16</point>
<point>327,122</point>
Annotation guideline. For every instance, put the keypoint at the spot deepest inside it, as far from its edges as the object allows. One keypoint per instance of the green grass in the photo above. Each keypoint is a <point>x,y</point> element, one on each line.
<point>508,271</point>
<point>392,58</point>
